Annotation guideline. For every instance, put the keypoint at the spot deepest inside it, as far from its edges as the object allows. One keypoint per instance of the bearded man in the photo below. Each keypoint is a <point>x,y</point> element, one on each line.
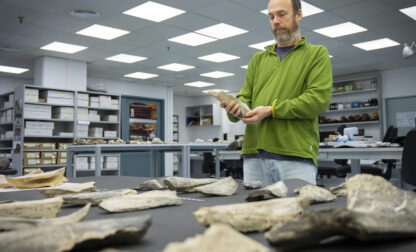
<point>287,86</point>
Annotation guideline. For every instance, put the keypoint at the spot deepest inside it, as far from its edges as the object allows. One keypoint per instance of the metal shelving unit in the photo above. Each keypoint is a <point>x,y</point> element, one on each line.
<point>6,124</point>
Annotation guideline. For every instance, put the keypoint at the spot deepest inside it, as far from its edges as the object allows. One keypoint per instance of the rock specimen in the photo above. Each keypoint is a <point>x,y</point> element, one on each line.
<point>150,185</point>
<point>4,163</point>
<point>253,216</point>
<point>339,190</point>
<point>182,184</point>
<point>47,208</point>
<point>52,178</point>
<point>276,190</point>
<point>157,141</point>
<point>118,141</point>
<point>315,194</point>
<point>221,96</point>
<point>8,224</point>
<point>218,237</point>
<point>252,185</point>
<point>89,234</point>
<point>223,187</point>
<point>70,189</point>
<point>95,198</point>
<point>375,210</point>
<point>146,200</point>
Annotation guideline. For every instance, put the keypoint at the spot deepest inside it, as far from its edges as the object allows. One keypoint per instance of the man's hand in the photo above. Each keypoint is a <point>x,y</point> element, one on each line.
<point>256,115</point>
<point>232,108</point>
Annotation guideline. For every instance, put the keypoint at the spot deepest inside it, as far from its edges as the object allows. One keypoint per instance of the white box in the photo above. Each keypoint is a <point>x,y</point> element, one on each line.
<point>11,98</point>
<point>110,165</point>
<point>39,125</point>
<point>82,111</point>
<point>62,110</point>
<point>82,127</point>
<point>81,163</point>
<point>95,118</point>
<point>109,133</point>
<point>63,116</point>
<point>110,118</point>
<point>66,134</point>
<point>82,96</point>
<point>37,111</point>
<point>38,132</point>
<point>83,117</point>
<point>59,94</point>
<point>60,101</point>
<point>94,104</point>
<point>96,134</point>
<point>105,99</point>
<point>31,98</point>
<point>32,92</point>
<point>111,159</point>
<point>84,103</point>
<point>96,129</point>
<point>7,104</point>
<point>114,101</point>
<point>82,133</point>
<point>8,134</point>
<point>92,112</point>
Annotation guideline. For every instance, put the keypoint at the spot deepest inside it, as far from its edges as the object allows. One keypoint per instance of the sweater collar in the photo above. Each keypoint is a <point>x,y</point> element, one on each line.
<point>272,48</point>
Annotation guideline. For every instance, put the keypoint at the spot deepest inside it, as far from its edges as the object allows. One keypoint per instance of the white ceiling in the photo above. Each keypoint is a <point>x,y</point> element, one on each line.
<point>46,21</point>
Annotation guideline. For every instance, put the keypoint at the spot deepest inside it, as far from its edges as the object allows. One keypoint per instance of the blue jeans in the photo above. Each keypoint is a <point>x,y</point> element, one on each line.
<point>270,171</point>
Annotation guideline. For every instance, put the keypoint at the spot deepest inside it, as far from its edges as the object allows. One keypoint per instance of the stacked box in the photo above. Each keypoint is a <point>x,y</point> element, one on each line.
<point>39,128</point>
<point>94,101</point>
<point>7,104</point>
<point>83,99</point>
<point>63,113</point>
<point>31,161</point>
<point>65,134</point>
<point>82,130</point>
<point>110,118</point>
<point>114,103</point>
<point>48,154</point>
<point>48,161</point>
<point>111,162</point>
<point>95,132</point>
<point>61,154</point>
<point>29,145</point>
<point>105,101</point>
<point>81,163</point>
<point>31,95</point>
<point>62,146</point>
<point>31,155</point>
<point>59,97</point>
<point>82,114</point>
<point>9,116</point>
<point>110,133</point>
<point>47,146</point>
<point>92,163</point>
<point>8,134</point>
<point>37,111</point>
<point>93,115</point>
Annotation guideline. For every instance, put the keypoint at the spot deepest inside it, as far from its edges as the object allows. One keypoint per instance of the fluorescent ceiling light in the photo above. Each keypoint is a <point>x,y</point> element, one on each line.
<point>217,74</point>
<point>199,84</point>
<point>125,58</point>
<point>154,11</point>
<point>221,31</point>
<point>244,67</point>
<point>307,9</point>
<point>102,32</point>
<point>63,47</point>
<point>13,70</point>
<point>411,12</point>
<point>140,75</point>
<point>260,46</point>
<point>192,39</point>
<point>219,57</point>
<point>176,67</point>
<point>222,90</point>
<point>376,44</point>
<point>340,30</point>
<point>330,56</point>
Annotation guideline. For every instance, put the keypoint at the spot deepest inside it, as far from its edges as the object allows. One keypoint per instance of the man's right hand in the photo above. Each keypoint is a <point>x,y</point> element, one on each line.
<point>232,108</point>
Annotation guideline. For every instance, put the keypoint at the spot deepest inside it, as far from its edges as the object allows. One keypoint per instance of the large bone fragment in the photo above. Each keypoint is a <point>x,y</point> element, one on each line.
<point>52,178</point>
<point>150,185</point>
<point>252,216</point>
<point>47,208</point>
<point>252,185</point>
<point>315,194</point>
<point>95,198</point>
<point>89,234</point>
<point>221,96</point>
<point>219,238</point>
<point>71,189</point>
<point>182,184</point>
<point>7,223</point>
<point>223,187</point>
<point>146,200</point>
<point>375,210</point>
<point>339,190</point>
<point>276,190</point>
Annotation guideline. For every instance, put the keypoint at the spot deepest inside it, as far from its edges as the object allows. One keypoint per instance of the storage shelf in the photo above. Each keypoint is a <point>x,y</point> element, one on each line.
<point>136,120</point>
<point>351,110</point>
<point>40,166</point>
<point>57,137</point>
<point>110,138</point>
<point>98,108</point>
<point>5,124</point>
<point>6,148</point>
<point>93,170</point>
<point>348,123</point>
<point>49,104</point>
<point>104,122</point>
<point>6,140</point>
<point>40,150</point>
<point>49,120</point>
<point>355,92</point>
<point>3,109</point>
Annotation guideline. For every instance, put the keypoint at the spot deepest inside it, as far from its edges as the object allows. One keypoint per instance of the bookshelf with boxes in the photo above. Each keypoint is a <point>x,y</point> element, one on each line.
<point>6,125</point>
<point>85,165</point>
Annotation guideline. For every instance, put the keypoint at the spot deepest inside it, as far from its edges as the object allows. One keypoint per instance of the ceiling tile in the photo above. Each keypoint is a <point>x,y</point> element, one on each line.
<point>224,10</point>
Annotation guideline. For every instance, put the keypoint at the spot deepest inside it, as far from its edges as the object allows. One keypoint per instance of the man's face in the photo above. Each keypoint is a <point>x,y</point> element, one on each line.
<point>283,22</point>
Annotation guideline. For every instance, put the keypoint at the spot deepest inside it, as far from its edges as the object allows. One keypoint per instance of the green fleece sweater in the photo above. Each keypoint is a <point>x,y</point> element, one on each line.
<point>298,88</point>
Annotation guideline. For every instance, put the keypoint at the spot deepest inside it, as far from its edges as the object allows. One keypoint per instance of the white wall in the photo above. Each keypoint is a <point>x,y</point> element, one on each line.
<point>397,83</point>
<point>179,105</point>
<point>8,84</point>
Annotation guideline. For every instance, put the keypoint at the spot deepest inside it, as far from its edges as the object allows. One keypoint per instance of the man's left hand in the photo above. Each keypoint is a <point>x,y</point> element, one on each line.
<point>256,115</point>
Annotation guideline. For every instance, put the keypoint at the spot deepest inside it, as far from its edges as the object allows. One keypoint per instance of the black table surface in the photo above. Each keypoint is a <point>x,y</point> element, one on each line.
<point>176,223</point>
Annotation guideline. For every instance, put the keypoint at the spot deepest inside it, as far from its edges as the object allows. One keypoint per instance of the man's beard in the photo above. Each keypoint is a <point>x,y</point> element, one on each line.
<point>288,37</point>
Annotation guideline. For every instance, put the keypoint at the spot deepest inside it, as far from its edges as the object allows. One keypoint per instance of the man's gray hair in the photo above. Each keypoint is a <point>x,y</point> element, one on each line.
<point>296,6</point>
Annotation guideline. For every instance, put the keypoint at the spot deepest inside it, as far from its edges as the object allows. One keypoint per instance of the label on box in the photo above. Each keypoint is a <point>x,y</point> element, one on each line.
<point>48,161</point>
<point>31,155</point>
<point>29,145</point>
<point>62,154</point>
<point>61,161</point>
<point>48,155</point>
<point>31,161</point>
<point>47,145</point>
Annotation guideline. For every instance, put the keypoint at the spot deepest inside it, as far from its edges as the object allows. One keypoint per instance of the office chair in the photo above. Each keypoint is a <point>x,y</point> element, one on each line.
<point>408,172</point>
